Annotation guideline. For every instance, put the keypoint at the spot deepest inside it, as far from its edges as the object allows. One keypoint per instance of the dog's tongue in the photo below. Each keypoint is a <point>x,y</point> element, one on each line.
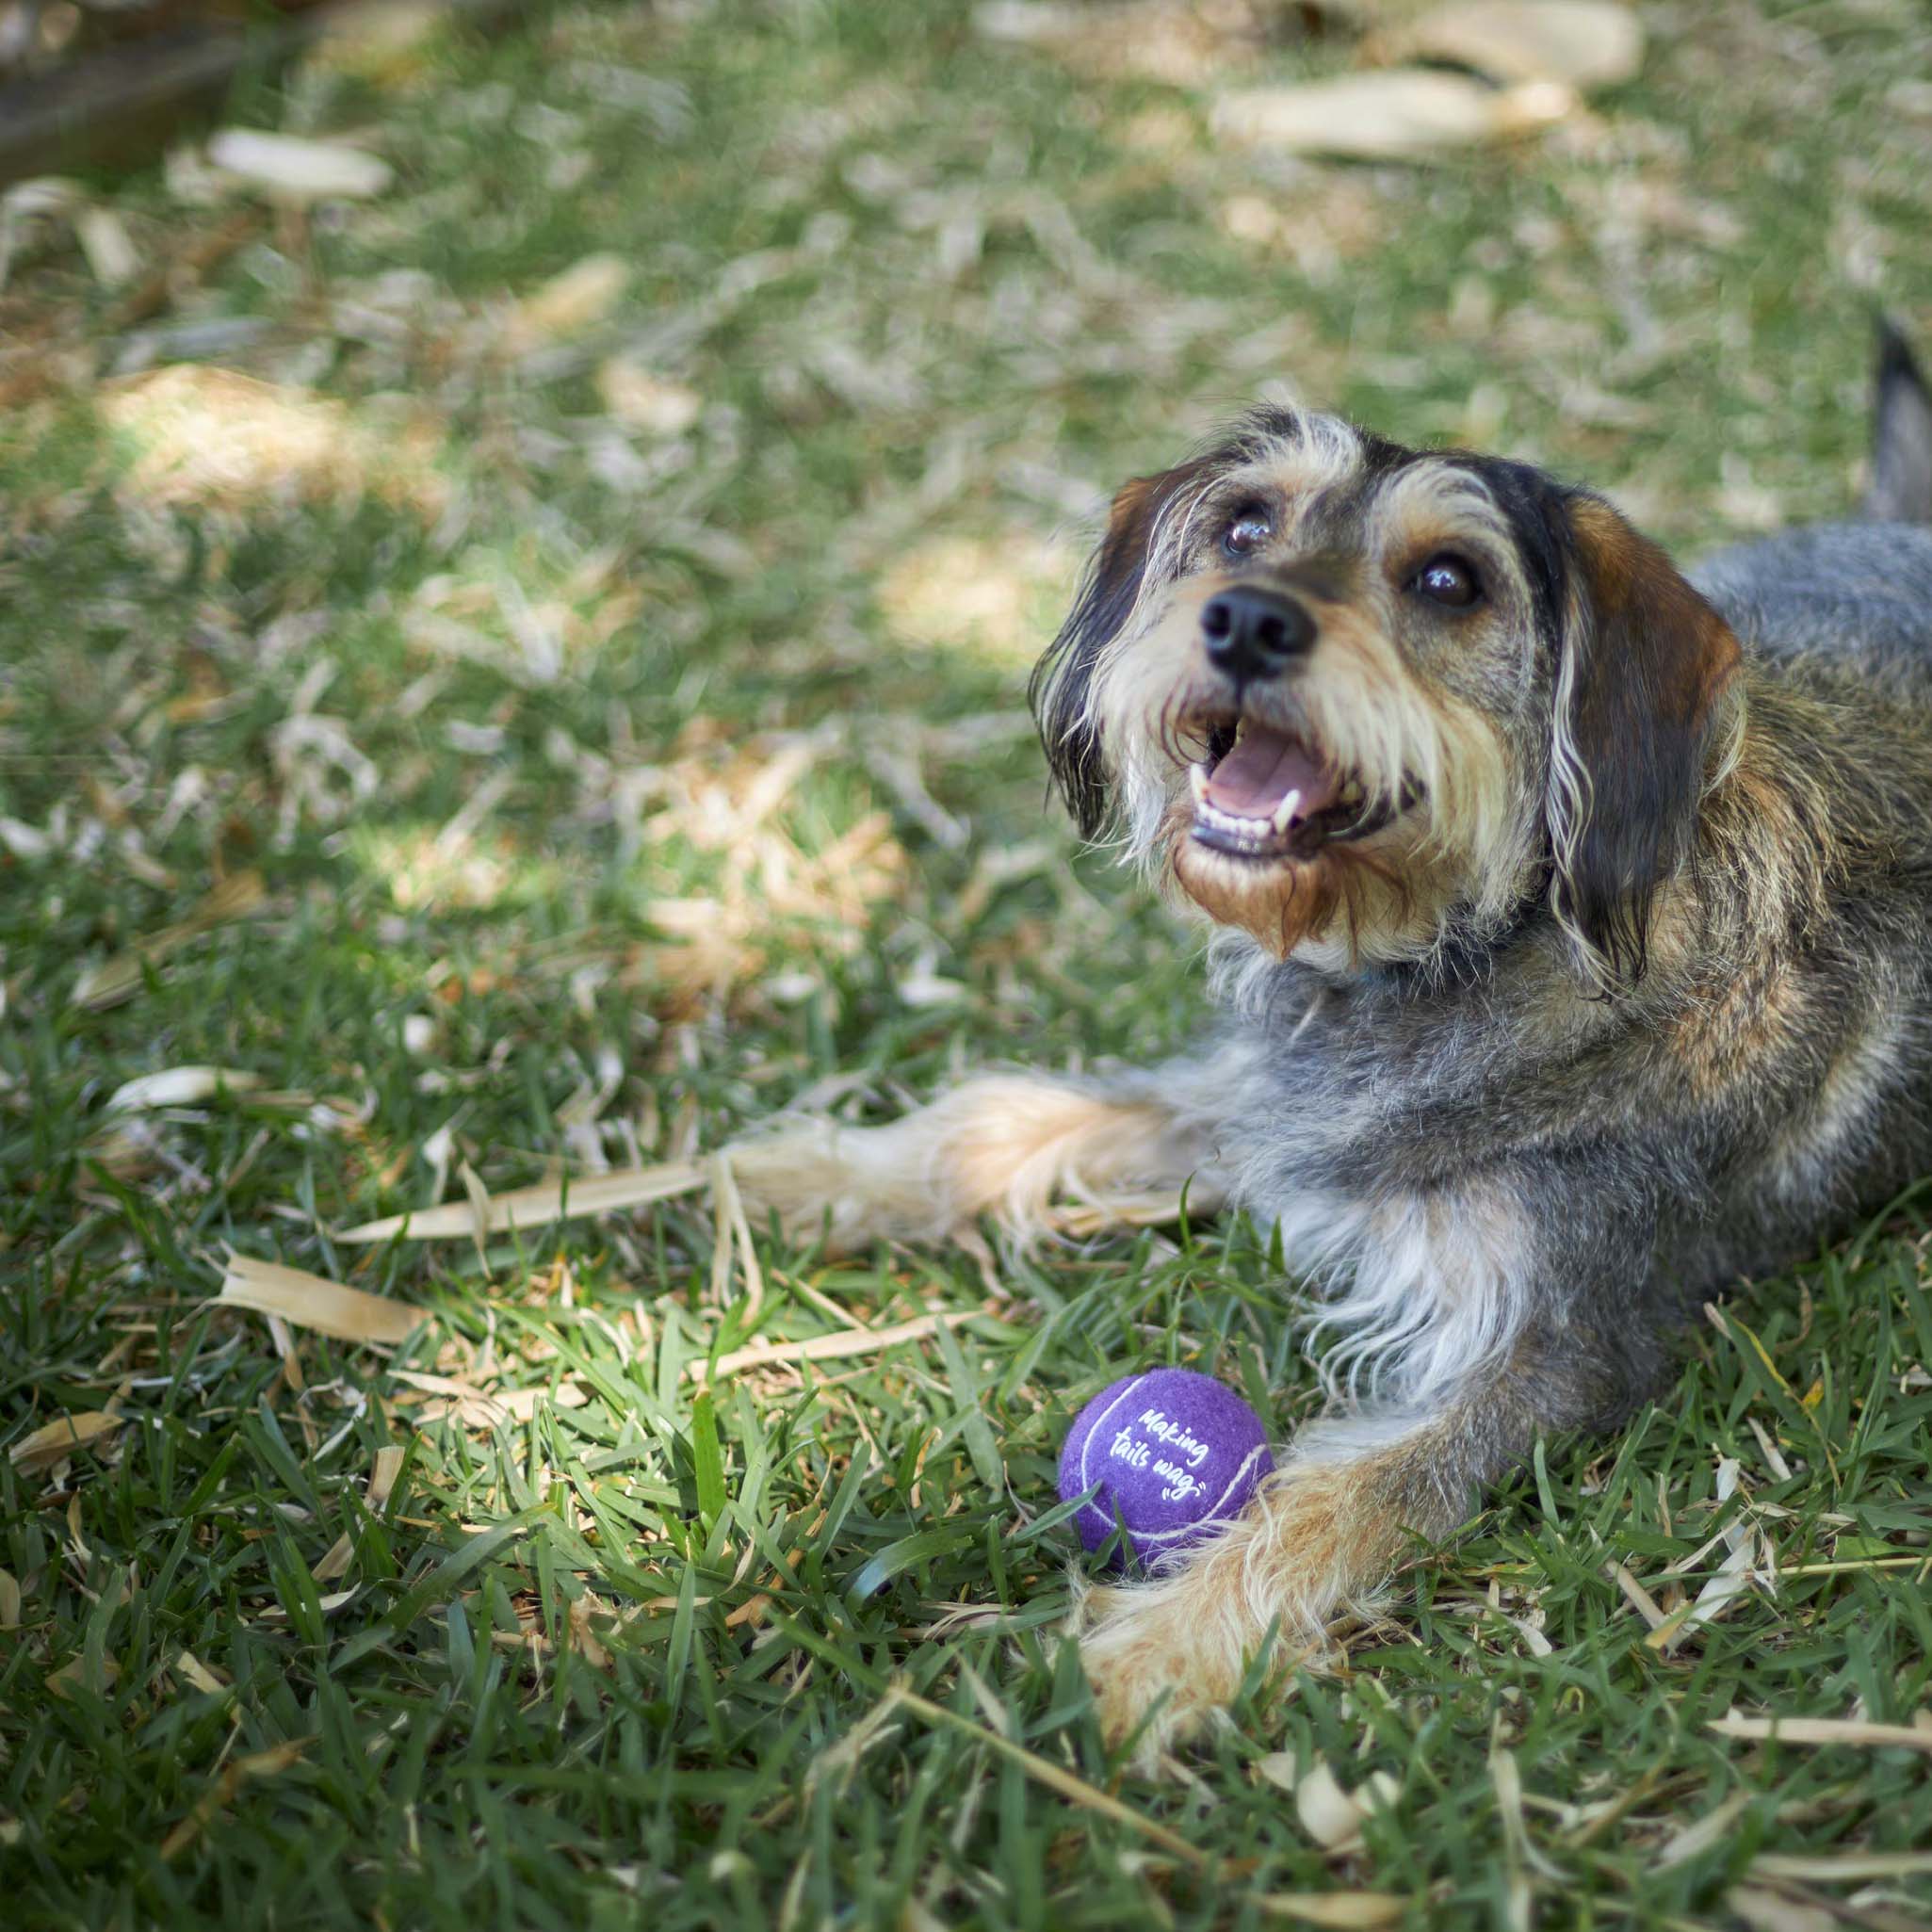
<point>1262,769</point>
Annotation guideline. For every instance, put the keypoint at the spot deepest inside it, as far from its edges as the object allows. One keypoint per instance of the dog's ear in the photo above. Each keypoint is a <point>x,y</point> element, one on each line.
<point>1644,669</point>
<point>1060,689</point>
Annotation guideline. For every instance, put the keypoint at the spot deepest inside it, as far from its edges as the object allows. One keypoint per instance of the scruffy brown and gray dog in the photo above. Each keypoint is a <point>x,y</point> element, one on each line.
<point>1574,918</point>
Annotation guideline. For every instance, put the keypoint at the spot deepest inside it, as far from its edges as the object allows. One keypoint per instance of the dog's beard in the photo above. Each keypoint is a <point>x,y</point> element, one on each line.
<point>1282,902</point>
<point>1278,838</point>
<point>1269,835</point>
<point>1351,898</point>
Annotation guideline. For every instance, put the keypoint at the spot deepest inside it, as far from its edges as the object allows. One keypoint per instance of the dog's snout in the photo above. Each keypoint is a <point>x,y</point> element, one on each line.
<point>1252,632</point>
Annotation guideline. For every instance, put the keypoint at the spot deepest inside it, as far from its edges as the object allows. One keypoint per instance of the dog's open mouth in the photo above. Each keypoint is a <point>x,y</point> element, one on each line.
<point>1264,793</point>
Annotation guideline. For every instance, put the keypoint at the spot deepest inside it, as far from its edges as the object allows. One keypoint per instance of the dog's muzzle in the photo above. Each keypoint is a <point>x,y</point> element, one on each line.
<point>1266,789</point>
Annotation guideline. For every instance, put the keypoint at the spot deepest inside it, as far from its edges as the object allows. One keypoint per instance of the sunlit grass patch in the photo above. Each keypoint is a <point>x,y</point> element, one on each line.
<point>435,869</point>
<point>205,439</point>
<point>996,597</point>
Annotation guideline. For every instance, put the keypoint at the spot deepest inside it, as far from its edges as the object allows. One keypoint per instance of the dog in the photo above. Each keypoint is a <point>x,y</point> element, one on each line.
<point>1571,915</point>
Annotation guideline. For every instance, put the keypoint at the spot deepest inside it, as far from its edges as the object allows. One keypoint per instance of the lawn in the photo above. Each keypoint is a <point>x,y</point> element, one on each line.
<point>523,673</point>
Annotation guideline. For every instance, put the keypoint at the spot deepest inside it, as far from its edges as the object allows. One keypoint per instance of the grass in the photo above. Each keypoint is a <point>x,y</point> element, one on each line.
<point>622,716</point>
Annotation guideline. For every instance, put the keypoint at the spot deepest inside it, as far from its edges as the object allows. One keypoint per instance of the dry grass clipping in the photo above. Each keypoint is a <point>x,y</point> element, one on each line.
<point>308,1301</point>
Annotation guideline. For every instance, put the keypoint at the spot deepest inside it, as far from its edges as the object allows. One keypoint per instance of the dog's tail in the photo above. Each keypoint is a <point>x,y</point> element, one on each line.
<point>1901,487</point>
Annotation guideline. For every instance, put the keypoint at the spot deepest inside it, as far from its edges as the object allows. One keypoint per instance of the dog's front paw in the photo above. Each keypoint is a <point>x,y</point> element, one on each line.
<point>1166,1657</point>
<point>1160,1670</point>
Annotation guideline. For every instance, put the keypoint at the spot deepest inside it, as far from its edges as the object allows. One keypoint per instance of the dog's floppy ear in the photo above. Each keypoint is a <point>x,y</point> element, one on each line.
<point>1062,684</point>
<point>1644,670</point>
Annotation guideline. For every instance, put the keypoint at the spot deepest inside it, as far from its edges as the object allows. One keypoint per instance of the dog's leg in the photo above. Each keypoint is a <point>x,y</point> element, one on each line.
<point>1443,1305</point>
<point>1314,1546</point>
<point>1006,1146</point>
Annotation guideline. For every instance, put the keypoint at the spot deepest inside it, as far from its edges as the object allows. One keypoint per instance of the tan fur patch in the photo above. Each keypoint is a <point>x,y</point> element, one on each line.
<point>1007,1146</point>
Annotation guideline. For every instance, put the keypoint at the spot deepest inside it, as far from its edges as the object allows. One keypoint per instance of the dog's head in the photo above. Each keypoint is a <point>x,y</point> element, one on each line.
<point>1355,697</point>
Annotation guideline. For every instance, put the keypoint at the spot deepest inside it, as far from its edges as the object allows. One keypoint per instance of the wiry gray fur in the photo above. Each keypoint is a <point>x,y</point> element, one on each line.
<point>1848,592</point>
<point>1769,1080</point>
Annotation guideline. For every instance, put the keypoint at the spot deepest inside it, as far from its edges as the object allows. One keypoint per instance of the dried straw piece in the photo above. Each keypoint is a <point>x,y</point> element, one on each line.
<point>1824,1731</point>
<point>1851,1563</point>
<point>1332,1816</point>
<point>1533,1640</point>
<point>54,1441</point>
<point>1044,1771</point>
<point>308,1301</point>
<point>283,1337</point>
<point>269,1764</point>
<point>179,1086</point>
<point>1398,114</point>
<point>294,171</point>
<point>199,1675</point>
<point>1841,1866</point>
<point>582,295</point>
<point>74,1675</point>
<point>382,1481</point>
<point>1641,1600</point>
<point>1350,1911</point>
<point>583,1639</point>
<point>1712,1829</point>
<point>481,1408</point>
<point>537,1206</point>
<point>1343,1911</point>
<point>826,1348</point>
<point>114,979</point>
<point>1582,43</point>
<point>735,1233</point>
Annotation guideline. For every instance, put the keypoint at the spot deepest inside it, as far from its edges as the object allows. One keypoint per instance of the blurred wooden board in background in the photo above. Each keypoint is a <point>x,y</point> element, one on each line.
<point>109,87</point>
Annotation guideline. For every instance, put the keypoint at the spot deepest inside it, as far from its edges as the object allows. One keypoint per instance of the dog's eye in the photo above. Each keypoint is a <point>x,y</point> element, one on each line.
<point>1247,530</point>
<point>1450,581</point>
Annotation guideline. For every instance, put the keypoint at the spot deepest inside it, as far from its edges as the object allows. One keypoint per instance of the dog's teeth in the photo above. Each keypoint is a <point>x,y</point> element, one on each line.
<point>1197,782</point>
<point>1240,726</point>
<point>1283,814</point>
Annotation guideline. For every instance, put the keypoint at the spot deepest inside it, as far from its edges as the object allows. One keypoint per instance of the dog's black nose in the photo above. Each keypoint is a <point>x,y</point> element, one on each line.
<point>1250,632</point>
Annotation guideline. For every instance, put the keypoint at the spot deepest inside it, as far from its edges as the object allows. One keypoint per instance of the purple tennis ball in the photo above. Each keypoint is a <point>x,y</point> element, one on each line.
<point>1173,1452</point>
